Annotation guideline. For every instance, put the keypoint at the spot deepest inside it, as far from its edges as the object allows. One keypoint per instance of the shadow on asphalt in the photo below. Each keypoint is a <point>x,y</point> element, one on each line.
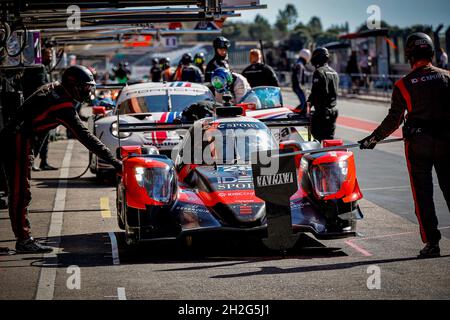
<point>86,183</point>
<point>216,249</point>
<point>91,250</point>
<point>94,250</point>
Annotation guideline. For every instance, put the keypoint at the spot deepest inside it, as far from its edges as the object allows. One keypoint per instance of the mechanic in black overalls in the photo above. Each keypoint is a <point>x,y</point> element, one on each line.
<point>323,96</point>
<point>220,60</point>
<point>259,74</point>
<point>155,71</point>
<point>199,61</point>
<point>425,95</point>
<point>190,72</point>
<point>51,105</point>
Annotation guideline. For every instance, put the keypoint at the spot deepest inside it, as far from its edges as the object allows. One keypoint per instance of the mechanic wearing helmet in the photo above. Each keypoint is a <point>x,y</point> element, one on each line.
<point>199,61</point>
<point>226,82</point>
<point>323,96</point>
<point>190,72</point>
<point>220,60</point>
<point>167,72</point>
<point>51,105</point>
<point>155,71</point>
<point>424,94</point>
<point>258,73</point>
<point>299,74</point>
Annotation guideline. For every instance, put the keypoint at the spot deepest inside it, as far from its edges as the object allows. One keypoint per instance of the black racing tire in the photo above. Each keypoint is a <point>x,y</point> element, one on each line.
<point>119,207</point>
<point>130,239</point>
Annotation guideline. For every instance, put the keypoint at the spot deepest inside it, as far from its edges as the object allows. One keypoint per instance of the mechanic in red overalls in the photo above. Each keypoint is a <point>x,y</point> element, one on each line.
<point>51,105</point>
<point>425,95</point>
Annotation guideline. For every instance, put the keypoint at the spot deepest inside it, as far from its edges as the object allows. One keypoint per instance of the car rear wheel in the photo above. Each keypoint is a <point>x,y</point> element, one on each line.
<point>130,237</point>
<point>119,208</point>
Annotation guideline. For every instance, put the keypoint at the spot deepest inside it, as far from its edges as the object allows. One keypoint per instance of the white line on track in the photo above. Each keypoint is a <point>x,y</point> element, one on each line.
<point>121,294</point>
<point>114,248</point>
<point>47,277</point>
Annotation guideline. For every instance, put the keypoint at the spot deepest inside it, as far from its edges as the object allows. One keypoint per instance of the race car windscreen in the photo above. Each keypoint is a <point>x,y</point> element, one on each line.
<point>160,103</point>
<point>264,97</point>
<point>234,143</point>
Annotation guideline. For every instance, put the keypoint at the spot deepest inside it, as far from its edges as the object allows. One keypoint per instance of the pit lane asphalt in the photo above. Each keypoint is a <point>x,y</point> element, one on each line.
<point>226,270</point>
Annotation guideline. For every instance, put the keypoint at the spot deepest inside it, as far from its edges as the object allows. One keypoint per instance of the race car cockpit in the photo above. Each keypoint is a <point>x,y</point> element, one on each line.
<point>224,142</point>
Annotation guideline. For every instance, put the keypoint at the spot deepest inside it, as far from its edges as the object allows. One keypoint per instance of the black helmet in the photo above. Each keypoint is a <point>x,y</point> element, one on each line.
<point>221,43</point>
<point>320,56</point>
<point>155,61</point>
<point>78,82</point>
<point>186,58</point>
<point>164,61</point>
<point>419,46</point>
<point>199,58</point>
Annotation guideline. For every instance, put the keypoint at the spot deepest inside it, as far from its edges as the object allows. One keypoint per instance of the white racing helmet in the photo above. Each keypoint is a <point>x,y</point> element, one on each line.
<point>305,54</point>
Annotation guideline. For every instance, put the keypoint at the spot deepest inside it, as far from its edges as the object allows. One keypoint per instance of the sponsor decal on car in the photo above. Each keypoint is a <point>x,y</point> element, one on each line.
<point>275,180</point>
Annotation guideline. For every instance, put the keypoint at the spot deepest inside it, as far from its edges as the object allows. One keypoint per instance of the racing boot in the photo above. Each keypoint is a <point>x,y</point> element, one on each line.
<point>31,246</point>
<point>431,250</point>
<point>4,251</point>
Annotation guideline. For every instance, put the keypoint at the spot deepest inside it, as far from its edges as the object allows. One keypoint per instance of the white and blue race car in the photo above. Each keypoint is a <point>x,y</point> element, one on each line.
<point>144,102</point>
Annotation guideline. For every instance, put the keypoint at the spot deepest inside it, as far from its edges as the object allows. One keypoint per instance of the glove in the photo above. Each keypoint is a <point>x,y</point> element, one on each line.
<point>117,165</point>
<point>369,142</point>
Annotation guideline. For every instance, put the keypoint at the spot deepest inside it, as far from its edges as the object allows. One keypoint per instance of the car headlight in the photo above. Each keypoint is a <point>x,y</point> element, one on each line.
<point>327,178</point>
<point>115,131</point>
<point>160,183</point>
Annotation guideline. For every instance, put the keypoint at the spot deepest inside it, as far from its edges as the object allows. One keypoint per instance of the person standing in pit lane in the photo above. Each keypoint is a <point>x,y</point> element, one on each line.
<point>52,105</point>
<point>167,72</point>
<point>190,72</point>
<point>199,61</point>
<point>424,94</point>
<point>323,97</point>
<point>221,46</point>
<point>41,141</point>
<point>155,71</point>
<point>259,74</point>
<point>299,78</point>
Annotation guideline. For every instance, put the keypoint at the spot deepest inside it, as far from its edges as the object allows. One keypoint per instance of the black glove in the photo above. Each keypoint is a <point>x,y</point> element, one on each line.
<point>369,142</point>
<point>117,165</point>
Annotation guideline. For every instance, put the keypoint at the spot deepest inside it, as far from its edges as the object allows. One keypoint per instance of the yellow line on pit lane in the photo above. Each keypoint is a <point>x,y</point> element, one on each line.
<point>104,206</point>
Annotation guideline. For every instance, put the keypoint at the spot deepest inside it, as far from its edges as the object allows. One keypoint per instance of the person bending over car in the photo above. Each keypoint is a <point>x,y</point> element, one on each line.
<point>224,81</point>
<point>424,94</point>
<point>51,105</point>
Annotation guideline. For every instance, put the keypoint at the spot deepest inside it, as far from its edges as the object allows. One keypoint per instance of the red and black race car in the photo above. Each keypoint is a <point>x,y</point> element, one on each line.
<point>208,185</point>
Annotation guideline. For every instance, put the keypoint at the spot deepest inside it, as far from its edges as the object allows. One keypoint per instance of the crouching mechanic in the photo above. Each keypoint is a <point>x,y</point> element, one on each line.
<point>424,94</point>
<point>51,105</point>
<point>323,96</point>
<point>226,82</point>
